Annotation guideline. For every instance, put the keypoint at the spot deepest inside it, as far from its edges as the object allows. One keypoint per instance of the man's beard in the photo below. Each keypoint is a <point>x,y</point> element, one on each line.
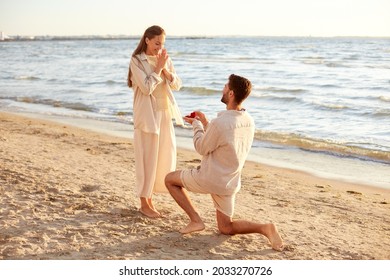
<point>223,99</point>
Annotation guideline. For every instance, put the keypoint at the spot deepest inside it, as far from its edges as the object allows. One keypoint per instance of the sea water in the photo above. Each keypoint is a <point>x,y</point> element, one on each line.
<point>320,104</point>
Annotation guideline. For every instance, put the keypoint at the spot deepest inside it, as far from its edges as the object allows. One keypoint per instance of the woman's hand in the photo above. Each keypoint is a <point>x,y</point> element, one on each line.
<point>165,71</point>
<point>162,58</point>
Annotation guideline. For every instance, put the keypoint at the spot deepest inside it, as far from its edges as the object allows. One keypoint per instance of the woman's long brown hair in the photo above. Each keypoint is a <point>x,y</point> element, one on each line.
<point>149,33</point>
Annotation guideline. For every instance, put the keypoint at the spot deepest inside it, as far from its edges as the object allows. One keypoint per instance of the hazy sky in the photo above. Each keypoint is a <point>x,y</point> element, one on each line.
<point>198,17</point>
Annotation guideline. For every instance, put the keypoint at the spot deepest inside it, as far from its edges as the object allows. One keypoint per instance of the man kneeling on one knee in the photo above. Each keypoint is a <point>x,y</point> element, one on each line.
<point>224,144</point>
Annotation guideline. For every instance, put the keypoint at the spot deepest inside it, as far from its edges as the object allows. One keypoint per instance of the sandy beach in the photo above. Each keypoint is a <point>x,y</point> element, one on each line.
<point>68,193</point>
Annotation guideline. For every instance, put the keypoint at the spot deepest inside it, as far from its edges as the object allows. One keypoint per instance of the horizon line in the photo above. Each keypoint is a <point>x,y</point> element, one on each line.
<point>6,37</point>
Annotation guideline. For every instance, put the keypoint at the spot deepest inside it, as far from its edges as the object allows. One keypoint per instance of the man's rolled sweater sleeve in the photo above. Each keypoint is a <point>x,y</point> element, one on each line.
<point>205,142</point>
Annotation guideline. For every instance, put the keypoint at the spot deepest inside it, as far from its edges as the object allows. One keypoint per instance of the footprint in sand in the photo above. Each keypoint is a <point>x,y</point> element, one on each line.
<point>354,192</point>
<point>90,188</point>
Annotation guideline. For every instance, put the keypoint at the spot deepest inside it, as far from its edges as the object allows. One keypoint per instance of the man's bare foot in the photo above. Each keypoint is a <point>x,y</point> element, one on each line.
<point>192,226</point>
<point>274,237</point>
<point>151,213</point>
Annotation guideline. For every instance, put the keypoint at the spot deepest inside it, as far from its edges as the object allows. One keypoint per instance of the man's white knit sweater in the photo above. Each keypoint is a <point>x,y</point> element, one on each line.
<point>224,144</point>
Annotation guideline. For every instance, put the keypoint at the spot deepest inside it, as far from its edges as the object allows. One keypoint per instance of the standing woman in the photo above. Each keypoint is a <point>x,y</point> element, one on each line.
<point>153,77</point>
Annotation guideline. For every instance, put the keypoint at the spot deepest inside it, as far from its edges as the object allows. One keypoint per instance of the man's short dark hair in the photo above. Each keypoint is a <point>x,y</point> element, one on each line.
<point>240,86</point>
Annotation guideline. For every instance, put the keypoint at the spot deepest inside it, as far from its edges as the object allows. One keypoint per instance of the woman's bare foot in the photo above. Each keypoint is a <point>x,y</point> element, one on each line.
<point>151,213</point>
<point>150,203</point>
<point>274,237</point>
<point>192,226</point>
<point>148,209</point>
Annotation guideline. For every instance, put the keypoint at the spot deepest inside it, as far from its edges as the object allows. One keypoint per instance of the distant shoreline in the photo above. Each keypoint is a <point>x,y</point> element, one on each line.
<point>21,38</point>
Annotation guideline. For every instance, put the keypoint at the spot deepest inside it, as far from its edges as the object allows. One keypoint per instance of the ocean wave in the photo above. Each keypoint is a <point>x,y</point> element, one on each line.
<point>200,90</point>
<point>314,57</point>
<point>111,82</point>
<point>278,89</point>
<point>184,53</point>
<point>382,113</point>
<point>336,65</point>
<point>313,61</point>
<point>322,61</point>
<point>51,102</point>
<point>107,82</point>
<point>23,77</point>
<point>326,146</point>
<point>276,97</point>
<point>328,86</point>
<point>123,113</point>
<point>352,57</point>
<point>384,98</point>
<point>331,106</point>
<point>378,66</point>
